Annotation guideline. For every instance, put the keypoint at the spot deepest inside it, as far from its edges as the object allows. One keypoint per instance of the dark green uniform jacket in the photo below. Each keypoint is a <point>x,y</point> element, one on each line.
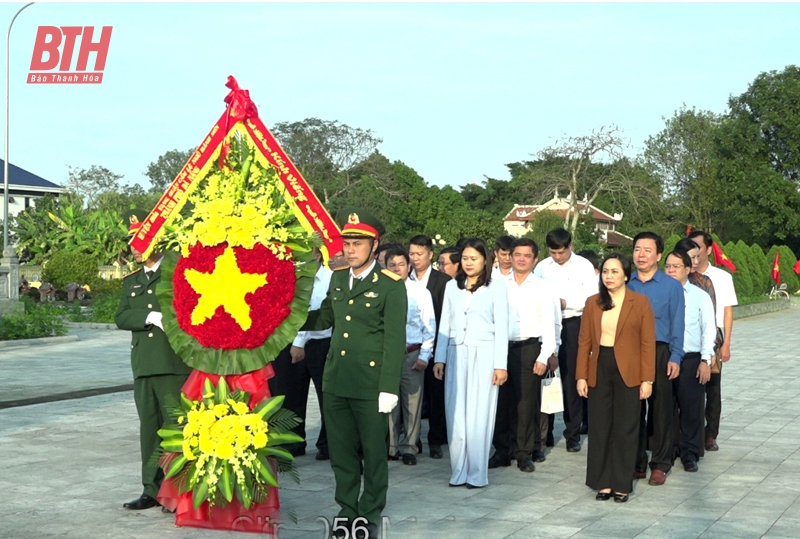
<point>151,353</point>
<point>368,343</point>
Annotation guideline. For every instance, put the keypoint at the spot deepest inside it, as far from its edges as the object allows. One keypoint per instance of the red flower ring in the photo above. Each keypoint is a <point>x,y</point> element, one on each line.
<point>269,305</point>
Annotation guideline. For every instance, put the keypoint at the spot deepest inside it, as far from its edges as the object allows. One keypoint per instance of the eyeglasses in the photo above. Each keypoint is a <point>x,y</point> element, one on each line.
<point>676,266</point>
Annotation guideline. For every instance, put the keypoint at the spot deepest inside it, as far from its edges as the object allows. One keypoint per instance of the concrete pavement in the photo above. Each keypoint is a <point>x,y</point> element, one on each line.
<point>70,464</point>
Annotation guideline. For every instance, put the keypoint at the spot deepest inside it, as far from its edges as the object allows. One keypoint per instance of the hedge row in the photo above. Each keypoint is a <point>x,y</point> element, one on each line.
<point>753,275</point>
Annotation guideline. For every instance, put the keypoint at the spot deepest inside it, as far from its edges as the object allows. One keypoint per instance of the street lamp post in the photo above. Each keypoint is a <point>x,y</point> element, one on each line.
<point>5,161</point>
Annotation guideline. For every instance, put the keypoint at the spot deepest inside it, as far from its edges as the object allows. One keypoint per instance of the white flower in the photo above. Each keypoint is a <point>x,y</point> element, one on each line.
<point>442,242</point>
<point>438,236</point>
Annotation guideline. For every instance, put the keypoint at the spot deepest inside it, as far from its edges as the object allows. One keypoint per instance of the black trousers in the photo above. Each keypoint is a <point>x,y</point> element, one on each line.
<point>567,363</point>
<point>614,416</point>
<point>713,405</point>
<point>516,427</point>
<point>657,417</point>
<point>433,393</point>
<point>293,380</point>
<point>690,395</point>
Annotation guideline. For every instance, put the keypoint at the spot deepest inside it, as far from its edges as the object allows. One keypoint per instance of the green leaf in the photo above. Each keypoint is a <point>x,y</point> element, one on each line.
<point>170,433</point>
<point>244,495</point>
<point>199,493</point>
<point>174,445</point>
<point>284,438</point>
<point>222,391</point>
<point>269,406</point>
<point>175,466</point>
<point>265,471</point>
<point>225,482</point>
<point>277,452</point>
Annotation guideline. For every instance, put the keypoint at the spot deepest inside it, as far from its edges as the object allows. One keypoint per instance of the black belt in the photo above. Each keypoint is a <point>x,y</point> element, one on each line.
<point>517,344</point>
<point>413,348</point>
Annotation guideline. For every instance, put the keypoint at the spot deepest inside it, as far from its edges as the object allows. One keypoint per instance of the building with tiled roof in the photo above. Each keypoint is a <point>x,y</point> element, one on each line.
<point>518,221</point>
<point>24,188</point>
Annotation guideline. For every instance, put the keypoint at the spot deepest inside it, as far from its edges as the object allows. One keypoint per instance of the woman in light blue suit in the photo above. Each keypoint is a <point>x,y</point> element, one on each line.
<point>473,343</point>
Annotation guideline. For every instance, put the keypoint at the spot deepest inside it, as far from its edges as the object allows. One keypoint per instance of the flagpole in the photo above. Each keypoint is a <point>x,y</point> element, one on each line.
<point>5,159</point>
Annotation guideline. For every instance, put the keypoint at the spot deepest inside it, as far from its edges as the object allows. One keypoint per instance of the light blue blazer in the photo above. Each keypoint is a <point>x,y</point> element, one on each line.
<point>482,323</point>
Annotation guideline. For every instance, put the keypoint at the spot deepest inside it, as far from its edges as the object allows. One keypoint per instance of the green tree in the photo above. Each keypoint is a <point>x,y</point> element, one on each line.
<point>166,168</point>
<point>742,280</point>
<point>327,154</point>
<point>92,182</point>
<point>683,157</point>
<point>762,267</point>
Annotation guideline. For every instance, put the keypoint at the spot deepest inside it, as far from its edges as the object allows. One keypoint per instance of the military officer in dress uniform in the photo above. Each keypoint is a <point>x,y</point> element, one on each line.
<point>366,306</point>
<point>157,370</point>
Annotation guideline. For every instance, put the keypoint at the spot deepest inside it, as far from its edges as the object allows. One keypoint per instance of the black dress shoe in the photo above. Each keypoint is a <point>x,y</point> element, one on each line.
<point>690,466</point>
<point>620,498</point>
<point>142,502</point>
<point>409,459</point>
<point>603,496</point>
<point>573,447</point>
<point>496,461</point>
<point>436,451</point>
<point>584,429</point>
<point>322,454</point>
<point>538,456</point>
<point>394,457</point>
<point>297,450</point>
<point>526,465</point>
<point>458,485</point>
<point>471,486</point>
<point>165,510</point>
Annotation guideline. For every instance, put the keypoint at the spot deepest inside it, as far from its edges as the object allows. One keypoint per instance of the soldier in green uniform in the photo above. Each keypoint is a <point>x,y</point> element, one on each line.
<point>157,370</point>
<point>366,306</point>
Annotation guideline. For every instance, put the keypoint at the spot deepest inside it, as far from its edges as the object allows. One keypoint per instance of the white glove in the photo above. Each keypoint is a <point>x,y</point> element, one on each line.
<point>386,402</point>
<point>155,319</point>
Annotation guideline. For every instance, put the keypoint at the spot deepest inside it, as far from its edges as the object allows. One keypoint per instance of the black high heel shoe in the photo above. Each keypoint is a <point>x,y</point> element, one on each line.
<point>603,496</point>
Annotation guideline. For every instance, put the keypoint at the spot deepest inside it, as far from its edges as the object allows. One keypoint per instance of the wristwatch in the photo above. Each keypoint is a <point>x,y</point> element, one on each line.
<point>706,361</point>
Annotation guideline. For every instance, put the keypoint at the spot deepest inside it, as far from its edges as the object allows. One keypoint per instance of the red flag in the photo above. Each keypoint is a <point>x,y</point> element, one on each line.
<point>797,267</point>
<point>720,259</point>
<point>776,269</point>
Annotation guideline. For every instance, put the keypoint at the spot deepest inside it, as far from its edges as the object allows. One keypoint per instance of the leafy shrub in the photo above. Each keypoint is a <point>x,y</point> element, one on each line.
<point>104,307</point>
<point>105,287</point>
<point>66,267</point>
<point>38,320</point>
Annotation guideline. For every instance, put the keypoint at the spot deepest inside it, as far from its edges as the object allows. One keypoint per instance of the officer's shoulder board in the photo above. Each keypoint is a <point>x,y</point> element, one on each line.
<point>132,273</point>
<point>392,275</point>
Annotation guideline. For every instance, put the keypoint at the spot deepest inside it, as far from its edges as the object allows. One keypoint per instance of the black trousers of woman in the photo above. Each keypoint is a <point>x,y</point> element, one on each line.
<point>614,410</point>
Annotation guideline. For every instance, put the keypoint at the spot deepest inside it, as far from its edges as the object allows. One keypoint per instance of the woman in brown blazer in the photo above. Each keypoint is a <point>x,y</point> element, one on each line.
<point>616,368</point>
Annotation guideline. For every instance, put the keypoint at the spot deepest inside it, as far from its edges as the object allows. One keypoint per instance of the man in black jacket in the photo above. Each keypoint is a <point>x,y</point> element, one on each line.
<point>421,253</point>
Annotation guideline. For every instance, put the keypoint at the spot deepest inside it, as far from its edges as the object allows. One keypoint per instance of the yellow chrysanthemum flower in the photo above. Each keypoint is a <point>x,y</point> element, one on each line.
<point>221,410</point>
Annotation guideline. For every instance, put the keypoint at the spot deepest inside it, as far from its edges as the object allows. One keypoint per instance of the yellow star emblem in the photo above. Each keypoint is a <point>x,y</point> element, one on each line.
<point>224,287</point>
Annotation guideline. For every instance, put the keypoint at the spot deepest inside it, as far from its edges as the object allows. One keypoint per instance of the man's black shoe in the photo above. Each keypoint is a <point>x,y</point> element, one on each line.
<point>409,459</point>
<point>165,510</point>
<point>296,450</point>
<point>526,465</point>
<point>538,456</point>
<point>142,502</point>
<point>436,452</point>
<point>496,461</point>
<point>573,447</point>
<point>584,429</point>
<point>690,466</point>
<point>322,454</point>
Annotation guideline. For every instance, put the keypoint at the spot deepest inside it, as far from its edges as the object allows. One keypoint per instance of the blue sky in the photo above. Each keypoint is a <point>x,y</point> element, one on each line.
<point>455,91</point>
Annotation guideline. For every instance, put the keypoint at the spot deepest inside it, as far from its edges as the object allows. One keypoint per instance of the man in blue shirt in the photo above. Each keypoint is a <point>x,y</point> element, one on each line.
<point>667,301</point>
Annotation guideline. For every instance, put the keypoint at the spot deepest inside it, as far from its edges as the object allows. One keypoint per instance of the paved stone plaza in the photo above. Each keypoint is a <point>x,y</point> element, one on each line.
<point>70,464</point>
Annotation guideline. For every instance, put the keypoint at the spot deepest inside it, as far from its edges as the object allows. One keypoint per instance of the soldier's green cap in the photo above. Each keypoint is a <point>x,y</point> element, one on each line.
<point>357,223</point>
<point>134,219</point>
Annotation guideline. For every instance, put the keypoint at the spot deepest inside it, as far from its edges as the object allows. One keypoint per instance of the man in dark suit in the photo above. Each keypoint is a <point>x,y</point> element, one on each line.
<point>361,382</point>
<point>157,371</point>
<point>420,251</point>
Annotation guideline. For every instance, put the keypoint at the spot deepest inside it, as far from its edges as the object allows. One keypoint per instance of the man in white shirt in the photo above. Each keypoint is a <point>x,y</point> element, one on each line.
<point>502,257</point>
<point>532,330</point>
<point>420,332</point>
<point>572,279</point>
<point>308,352</point>
<point>420,251</point>
<point>698,343</point>
<point>726,299</point>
